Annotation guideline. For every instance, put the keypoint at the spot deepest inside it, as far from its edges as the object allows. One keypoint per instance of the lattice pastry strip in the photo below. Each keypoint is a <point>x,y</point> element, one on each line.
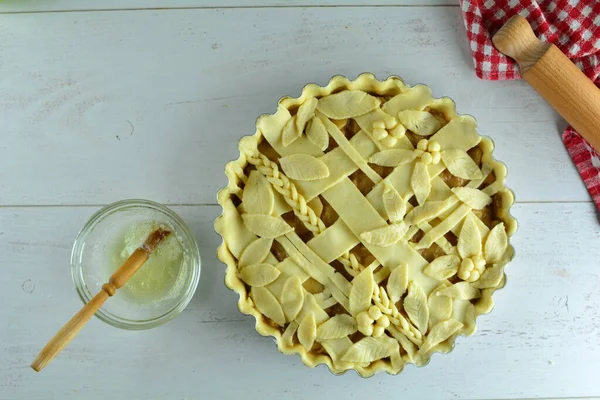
<point>422,216</point>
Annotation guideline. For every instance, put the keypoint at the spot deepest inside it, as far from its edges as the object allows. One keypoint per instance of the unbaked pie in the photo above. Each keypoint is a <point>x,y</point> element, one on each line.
<point>365,225</point>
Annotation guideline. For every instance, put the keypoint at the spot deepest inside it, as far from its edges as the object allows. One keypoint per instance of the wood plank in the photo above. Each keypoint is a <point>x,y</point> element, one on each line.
<point>101,106</point>
<point>69,5</point>
<point>542,337</point>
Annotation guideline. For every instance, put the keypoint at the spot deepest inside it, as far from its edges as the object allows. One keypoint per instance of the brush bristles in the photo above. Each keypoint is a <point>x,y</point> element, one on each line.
<point>155,238</point>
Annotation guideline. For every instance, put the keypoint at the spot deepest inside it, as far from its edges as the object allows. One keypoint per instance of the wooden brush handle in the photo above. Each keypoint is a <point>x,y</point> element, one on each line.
<point>572,94</point>
<point>71,328</point>
<point>68,331</point>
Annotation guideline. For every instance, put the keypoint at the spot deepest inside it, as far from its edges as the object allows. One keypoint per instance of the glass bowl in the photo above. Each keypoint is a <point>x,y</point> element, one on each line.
<point>92,263</point>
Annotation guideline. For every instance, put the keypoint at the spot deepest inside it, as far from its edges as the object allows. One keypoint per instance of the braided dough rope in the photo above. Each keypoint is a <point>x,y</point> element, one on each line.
<point>387,307</point>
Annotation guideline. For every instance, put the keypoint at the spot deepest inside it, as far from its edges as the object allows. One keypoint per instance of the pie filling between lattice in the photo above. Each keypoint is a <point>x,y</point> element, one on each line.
<point>365,225</point>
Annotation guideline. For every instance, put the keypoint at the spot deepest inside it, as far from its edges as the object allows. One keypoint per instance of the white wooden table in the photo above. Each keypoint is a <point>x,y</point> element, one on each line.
<point>101,101</point>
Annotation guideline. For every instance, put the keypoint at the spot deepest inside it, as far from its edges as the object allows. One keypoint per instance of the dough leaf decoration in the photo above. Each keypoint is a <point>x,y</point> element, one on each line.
<point>317,133</point>
<point>370,349</point>
<point>397,282</point>
<point>393,157</point>
<point>394,204</point>
<point>256,252</point>
<point>469,239</point>
<point>474,198</point>
<point>258,197</point>
<point>490,278</point>
<point>268,305</point>
<point>440,307</point>
<point>258,275</point>
<point>416,307</point>
<point>420,122</point>
<point>385,236</point>
<point>420,182</point>
<point>469,248</point>
<point>442,267</point>
<point>347,104</point>
<point>460,164</point>
<point>440,332</point>
<point>337,327</point>
<point>468,320</point>
<point>290,132</point>
<point>266,226</point>
<point>307,331</point>
<point>306,112</point>
<point>362,289</point>
<point>496,244</point>
<point>461,291</point>
<point>292,298</point>
<point>303,167</point>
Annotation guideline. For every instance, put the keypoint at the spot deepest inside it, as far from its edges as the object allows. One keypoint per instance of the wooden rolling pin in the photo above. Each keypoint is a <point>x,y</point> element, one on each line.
<point>572,94</point>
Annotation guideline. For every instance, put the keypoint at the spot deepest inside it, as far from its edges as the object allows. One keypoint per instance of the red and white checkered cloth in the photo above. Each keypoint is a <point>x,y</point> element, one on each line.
<point>572,25</point>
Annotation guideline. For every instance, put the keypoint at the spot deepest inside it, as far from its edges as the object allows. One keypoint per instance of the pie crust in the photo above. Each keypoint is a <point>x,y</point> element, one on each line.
<point>365,225</point>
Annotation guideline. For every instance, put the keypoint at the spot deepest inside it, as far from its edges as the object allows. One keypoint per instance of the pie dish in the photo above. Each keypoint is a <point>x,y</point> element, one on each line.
<point>365,225</point>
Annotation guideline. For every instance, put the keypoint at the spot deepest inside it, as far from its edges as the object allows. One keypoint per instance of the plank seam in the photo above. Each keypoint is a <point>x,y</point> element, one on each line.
<point>217,204</point>
<point>227,8</point>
